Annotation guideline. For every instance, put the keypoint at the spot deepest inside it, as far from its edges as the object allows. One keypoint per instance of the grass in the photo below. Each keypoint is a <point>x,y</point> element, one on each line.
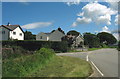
<point>74,51</point>
<point>91,49</point>
<point>25,65</point>
<point>63,66</point>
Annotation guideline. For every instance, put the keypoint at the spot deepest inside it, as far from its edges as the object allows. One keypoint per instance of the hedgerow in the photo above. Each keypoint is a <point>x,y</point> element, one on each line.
<point>36,45</point>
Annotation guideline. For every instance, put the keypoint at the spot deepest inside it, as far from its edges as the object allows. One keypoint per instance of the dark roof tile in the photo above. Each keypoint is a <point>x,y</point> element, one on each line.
<point>10,27</point>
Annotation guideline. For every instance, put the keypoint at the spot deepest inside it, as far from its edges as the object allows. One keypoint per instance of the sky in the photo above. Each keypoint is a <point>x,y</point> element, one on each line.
<point>83,17</point>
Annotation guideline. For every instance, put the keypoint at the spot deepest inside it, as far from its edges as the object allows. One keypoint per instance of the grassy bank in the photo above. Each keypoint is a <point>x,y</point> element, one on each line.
<point>24,65</point>
<point>44,63</point>
<point>62,66</point>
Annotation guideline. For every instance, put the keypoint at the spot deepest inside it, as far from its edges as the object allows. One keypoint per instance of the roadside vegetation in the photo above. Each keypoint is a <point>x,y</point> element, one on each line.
<point>42,63</point>
<point>38,59</point>
<point>91,49</point>
<point>63,66</point>
<point>23,65</point>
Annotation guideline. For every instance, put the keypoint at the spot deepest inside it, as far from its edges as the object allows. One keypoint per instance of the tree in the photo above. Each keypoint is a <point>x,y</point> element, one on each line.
<point>106,38</point>
<point>68,40</point>
<point>73,32</point>
<point>59,30</point>
<point>91,40</point>
<point>29,35</point>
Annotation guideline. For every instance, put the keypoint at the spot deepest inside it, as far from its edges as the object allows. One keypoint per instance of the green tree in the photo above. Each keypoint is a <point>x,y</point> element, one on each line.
<point>68,40</point>
<point>106,38</point>
<point>29,35</point>
<point>91,40</point>
<point>73,32</point>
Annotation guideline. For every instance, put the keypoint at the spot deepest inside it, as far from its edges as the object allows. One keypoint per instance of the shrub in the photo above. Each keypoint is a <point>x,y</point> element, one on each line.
<point>25,65</point>
<point>12,52</point>
<point>62,46</point>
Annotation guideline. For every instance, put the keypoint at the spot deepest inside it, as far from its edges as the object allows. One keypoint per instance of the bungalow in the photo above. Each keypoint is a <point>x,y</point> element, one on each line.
<point>11,32</point>
<point>55,35</point>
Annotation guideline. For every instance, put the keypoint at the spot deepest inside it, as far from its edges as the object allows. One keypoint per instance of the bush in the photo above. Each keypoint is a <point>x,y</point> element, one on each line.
<point>12,52</point>
<point>62,46</point>
<point>104,45</point>
<point>46,52</point>
<point>25,65</point>
<point>36,45</point>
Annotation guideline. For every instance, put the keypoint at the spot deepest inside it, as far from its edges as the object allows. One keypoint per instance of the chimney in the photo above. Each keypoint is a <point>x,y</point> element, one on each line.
<point>8,24</point>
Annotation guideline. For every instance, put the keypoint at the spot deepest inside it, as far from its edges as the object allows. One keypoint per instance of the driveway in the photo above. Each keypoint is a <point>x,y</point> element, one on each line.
<point>103,61</point>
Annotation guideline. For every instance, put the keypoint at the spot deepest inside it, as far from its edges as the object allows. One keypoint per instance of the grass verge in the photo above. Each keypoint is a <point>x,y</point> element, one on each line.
<point>63,66</point>
<point>75,51</point>
<point>91,49</point>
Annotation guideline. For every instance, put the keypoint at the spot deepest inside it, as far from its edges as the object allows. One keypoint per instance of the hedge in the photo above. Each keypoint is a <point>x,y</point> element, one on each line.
<point>36,45</point>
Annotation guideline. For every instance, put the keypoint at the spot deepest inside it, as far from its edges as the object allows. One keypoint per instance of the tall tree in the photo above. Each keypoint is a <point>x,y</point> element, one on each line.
<point>91,40</point>
<point>106,38</point>
<point>73,32</point>
<point>29,35</point>
<point>68,40</point>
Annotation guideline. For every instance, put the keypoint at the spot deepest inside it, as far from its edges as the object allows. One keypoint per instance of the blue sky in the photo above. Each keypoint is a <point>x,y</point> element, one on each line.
<point>47,16</point>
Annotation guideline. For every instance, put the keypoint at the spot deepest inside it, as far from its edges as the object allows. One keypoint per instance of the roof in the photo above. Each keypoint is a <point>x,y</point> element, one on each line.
<point>12,27</point>
<point>47,33</point>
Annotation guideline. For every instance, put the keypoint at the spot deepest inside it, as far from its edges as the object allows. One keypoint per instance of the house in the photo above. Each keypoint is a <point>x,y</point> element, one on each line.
<point>76,41</point>
<point>55,35</point>
<point>11,32</point>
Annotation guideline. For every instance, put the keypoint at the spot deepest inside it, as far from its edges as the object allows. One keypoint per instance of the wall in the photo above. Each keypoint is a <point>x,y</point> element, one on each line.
<point>44,37</point>
<point>56,36</point>
<point>4,36</point>
<point>17,35</point>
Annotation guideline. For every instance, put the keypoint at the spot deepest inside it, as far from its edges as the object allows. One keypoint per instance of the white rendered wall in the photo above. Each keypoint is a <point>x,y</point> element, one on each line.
<point>17,35</point>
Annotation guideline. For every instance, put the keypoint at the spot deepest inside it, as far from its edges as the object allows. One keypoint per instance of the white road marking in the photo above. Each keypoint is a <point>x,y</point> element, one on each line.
<point>87,59</point>
<point>97,69</point>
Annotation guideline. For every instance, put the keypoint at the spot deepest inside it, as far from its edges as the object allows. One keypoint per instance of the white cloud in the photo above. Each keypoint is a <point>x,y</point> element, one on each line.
<point>80,14</point>
<point>105,29</point>
<point>95,9</point>
<point>73,2</point>
<point>36,25</point>
<point>116,35</point>
<point>98,13</point>
<point>113,4</point>
<point>82,20</point>
<point>117,20</point>
<point>104,19</point>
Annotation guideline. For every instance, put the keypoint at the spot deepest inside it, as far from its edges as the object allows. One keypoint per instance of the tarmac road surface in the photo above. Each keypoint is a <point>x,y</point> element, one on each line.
<point>104,61</point>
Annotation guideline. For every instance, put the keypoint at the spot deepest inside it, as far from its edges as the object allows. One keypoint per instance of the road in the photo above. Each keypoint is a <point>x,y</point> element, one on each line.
<point>103,61</point>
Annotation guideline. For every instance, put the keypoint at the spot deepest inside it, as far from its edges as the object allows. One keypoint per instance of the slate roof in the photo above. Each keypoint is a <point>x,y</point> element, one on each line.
<point>48,34</point>
<point>11,27</point>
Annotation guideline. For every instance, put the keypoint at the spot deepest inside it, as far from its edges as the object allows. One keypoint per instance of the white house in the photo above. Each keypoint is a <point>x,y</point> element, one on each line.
<point>56,35</point>
<point>11,32</point>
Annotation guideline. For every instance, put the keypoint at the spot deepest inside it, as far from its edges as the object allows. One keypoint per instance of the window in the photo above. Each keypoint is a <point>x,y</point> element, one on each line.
<point>20,34</point>
<point>3,32</point>
<point>40,37</point>
<point>14,33</point>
